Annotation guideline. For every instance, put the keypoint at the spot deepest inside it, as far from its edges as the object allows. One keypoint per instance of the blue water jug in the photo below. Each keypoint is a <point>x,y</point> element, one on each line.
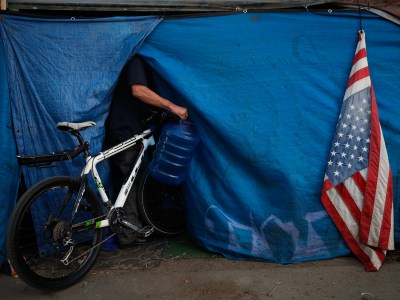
<point>174,151</point>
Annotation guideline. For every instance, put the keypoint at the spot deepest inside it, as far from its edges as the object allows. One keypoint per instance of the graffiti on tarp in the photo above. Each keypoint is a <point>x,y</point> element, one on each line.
<point>272,238</point>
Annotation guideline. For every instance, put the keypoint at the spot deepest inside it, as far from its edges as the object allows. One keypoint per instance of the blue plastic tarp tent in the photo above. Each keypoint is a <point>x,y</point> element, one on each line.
<point>58,70</point>
<point>264,90</point>
<point>9,170</point>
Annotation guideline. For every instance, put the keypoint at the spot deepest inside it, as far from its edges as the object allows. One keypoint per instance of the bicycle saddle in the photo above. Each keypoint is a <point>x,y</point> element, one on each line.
<point>68,126</point>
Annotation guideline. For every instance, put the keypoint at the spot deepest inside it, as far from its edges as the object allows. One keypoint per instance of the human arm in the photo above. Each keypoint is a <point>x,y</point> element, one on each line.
<point>148,96</point>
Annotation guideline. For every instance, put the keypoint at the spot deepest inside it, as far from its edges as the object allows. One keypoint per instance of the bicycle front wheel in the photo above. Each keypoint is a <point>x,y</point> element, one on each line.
<point>44,245</point>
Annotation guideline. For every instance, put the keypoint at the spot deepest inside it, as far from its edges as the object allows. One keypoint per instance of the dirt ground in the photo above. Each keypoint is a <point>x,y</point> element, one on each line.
<point>220,278</point>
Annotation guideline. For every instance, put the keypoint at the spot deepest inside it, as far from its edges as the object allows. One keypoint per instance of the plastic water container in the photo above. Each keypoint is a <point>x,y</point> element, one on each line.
<point>174,151</point>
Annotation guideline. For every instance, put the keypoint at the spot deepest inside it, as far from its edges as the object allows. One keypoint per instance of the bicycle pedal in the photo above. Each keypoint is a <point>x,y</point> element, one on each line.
<point>146,231</point>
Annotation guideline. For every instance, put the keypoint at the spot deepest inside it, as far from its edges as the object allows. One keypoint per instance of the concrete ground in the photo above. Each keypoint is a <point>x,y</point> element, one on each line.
<point>220,278</point>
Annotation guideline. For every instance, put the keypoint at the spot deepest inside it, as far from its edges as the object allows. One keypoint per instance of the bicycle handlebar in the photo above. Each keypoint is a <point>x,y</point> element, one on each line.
<point>158,118</point>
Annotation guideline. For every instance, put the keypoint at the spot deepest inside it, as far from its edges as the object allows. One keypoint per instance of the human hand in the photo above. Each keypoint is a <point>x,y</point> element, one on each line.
<point>180,111</point>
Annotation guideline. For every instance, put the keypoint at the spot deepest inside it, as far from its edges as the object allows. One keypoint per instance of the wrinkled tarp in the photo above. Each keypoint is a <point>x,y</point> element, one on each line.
<point>65,70</point>
<point>264,90</point>
<point>60,70</point>
<point>9,170</point>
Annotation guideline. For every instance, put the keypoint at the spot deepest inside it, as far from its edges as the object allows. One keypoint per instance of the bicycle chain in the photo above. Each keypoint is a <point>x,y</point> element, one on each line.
<point>65,258</point>
<point>66,263</point>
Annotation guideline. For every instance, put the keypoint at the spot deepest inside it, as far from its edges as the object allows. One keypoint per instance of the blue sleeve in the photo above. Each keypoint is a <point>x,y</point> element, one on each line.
<point>137,72</point>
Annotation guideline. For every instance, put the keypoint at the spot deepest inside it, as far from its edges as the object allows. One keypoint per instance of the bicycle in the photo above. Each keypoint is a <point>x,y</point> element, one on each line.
<point>57,227</point>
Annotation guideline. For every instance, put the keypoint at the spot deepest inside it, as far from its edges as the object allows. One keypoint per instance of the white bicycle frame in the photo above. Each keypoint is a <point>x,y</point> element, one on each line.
<point>147,139</point>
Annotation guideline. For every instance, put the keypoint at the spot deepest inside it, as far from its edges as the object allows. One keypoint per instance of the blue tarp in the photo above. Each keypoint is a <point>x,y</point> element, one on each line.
<point>9,170</point>
<point>65,70</point>
<point>264,90</point>
<point>58,70</point>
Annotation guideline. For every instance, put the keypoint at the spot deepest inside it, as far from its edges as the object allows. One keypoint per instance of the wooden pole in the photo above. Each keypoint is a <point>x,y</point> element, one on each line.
<point>3,4</point>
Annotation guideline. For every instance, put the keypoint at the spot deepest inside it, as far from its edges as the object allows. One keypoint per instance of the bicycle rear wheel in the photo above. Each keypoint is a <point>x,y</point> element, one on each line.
<point>161,206</point>
<point>41,234</point>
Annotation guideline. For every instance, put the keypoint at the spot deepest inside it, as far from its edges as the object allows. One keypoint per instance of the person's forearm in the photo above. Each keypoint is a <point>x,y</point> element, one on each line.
<point>146,95</point>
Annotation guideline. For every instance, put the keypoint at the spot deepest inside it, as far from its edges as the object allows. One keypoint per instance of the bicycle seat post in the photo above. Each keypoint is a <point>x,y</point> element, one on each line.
<point>82,142</point>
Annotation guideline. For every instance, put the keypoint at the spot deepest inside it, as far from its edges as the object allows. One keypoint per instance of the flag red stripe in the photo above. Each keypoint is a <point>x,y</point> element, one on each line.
<point>387,216</point>
<point>360,55</point>
<point>347,235</point>
<point>349,201</point>
<point>356,76</point>
<point>333,213</point>
<point>373,172</point>
<point>360,182</point>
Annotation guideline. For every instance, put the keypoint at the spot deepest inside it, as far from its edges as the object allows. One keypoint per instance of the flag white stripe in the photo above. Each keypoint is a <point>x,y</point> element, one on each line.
<point>364,173</point>
<point>357,86</point>
<point>352,225</point>
<point>362,63</point>
<point>380,196</point>
<point>355,192</point>
<point>391,234</point>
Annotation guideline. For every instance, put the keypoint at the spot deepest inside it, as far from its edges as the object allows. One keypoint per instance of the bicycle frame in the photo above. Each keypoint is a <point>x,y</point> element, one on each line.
<point>147,139</point>
<point>59,247</point>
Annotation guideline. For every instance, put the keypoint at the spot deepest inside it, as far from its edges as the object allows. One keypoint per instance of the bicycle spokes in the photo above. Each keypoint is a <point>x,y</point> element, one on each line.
<point>51,246</point>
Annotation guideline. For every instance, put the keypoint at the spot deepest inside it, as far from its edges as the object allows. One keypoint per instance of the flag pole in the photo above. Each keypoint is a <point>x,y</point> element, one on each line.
<point>359,14</point>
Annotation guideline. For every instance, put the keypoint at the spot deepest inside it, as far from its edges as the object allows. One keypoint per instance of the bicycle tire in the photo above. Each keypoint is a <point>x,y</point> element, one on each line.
<point>161,206</point>
<point>34,234</point>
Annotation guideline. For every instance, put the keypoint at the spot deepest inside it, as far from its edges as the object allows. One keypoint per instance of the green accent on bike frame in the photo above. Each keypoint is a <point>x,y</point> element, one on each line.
<point>88,223</point>
<point>98,224</point>
<point>91,222</point>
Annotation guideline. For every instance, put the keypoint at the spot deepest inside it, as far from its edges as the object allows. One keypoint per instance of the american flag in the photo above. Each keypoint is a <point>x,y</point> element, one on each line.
<point>357,191</point>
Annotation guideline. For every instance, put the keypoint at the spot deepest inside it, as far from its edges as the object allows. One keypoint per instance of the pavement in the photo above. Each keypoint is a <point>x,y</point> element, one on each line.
<point>220,278</point>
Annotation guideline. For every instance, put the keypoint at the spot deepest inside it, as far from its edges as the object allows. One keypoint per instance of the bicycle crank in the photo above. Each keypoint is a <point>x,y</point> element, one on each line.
<point>118,222</point>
